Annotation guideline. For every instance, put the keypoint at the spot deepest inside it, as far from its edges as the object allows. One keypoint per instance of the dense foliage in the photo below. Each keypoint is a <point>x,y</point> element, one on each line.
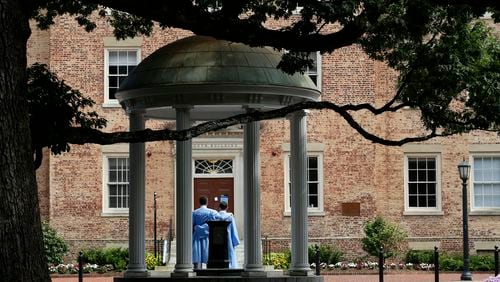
<point>380,233</point>
<point>55,246</point>
<point>115,256</point>
<point>328,254</point>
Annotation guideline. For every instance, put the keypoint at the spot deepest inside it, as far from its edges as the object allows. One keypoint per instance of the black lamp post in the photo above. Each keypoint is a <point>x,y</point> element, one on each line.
<point>464,169</point>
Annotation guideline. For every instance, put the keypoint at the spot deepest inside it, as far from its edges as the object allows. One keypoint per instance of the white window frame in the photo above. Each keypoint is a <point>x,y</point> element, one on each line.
<point>318,211</point>
<point>471,182</point>
<point>107,101</point>
<point>437,210</point>
<point>106,210</point>
<point>318,70</point>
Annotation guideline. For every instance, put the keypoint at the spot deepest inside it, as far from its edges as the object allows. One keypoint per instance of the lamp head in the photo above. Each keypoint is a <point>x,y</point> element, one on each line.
<point>463,170</point>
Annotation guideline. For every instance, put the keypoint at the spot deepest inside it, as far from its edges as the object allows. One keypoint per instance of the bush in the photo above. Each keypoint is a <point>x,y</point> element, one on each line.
<point>54,245</point>
<point>279,260</point>
<point>381,233</point>
<point>117,257</point>
<point>482,263</point>
<point>419,256</point>
<point>328,254</point>
<point>450,263</point>
<point>151,261</point>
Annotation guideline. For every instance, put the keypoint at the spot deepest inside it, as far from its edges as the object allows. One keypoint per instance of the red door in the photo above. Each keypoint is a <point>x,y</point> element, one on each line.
<point>216,190</point>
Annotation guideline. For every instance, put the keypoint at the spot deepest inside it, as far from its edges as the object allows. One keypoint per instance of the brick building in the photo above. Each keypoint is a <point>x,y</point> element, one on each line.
<point>83,193</point>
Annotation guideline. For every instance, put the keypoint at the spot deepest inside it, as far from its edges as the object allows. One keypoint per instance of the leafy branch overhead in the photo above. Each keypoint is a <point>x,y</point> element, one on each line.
<point>448,61</point>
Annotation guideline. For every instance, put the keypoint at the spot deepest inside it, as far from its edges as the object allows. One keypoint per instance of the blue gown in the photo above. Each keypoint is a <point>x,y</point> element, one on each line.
<point>232,235</point>
<point>200,233</point>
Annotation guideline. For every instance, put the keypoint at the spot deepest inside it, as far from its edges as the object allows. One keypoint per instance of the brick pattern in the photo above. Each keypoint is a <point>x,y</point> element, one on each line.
<point>355,170</point>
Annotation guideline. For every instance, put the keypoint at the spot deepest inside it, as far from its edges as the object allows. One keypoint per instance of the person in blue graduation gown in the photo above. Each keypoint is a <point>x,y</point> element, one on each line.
<point>200,232</point>
<point>232,234</point>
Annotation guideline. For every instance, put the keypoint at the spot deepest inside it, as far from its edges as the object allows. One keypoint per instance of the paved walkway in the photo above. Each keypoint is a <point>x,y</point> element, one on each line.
<point>413,277</point>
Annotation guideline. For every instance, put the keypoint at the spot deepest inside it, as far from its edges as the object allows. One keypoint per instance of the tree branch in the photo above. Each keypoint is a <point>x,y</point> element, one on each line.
<point>78,135</point>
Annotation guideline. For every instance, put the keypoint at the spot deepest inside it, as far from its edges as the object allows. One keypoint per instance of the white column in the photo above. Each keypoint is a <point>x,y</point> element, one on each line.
<point>184,198</point>
<point>299,195</point>
<point>137,203</point>
<point>253,245</point>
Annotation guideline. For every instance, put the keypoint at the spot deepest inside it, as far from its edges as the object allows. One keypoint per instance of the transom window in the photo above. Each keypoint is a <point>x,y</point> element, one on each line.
<point>213,166</point>
<point>314,183</point>
<point>118,63</point>
<point>486,182</point>
<point>117,184</point>
<point>422,187</point>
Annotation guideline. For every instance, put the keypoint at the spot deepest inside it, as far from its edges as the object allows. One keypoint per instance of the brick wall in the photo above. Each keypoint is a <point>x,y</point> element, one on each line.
<point>355,170</point>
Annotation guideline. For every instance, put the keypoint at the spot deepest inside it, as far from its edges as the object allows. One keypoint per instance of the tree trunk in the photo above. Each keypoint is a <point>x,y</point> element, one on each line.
<point>22,254</point>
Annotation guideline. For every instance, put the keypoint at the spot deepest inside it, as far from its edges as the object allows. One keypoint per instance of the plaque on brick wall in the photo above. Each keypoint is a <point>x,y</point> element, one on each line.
<point>351,209</point>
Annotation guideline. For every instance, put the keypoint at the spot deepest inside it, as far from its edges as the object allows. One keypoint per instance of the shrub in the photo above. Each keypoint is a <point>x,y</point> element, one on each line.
<point>117,257</point>
<point>151,261</point>
<point>482,263</point>
<point>279,260</point>
<point>328,254</point>
<point>54,245</point>
<point>450,263</point>
<point>381,233</point>
<point>419,256</point>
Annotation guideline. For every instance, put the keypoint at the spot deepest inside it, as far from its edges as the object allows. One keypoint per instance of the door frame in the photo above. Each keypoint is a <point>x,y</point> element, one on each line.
<point>223,148</point>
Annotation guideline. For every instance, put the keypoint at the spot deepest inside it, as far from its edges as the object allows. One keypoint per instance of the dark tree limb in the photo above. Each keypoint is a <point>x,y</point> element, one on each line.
<point>78,135</point>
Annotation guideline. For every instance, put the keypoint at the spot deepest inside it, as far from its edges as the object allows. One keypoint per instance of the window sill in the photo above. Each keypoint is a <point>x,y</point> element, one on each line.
<point>485,212</point>
<point>310,213</point>
<point>111,105</point>
<point>114,214</point>
<point>423,213</point>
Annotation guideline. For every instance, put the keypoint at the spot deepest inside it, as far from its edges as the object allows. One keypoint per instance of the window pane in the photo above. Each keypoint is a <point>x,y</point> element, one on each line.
<point>313,201</point>
<point>312,162</point>
<point>431,201</point>
<point>313,188</point>
<point>431,175</point>
<point>112,91</point>
<point>422,201</point>
<point>413,201</point>
<point>130,69</point>
<point>422,164</point>
<point>478,201</point>
<point>113,57</point>
<point>113,202</point>
<point>412,163</point>
<point>312,175</point>
<point>422,175</point>
<point>132,57</point>
<point>122,70</point>
<point>431,164</point>
<point>113,69</point>
<point>413,188</point>
<point>113,81</point>
<point>422,188</point>
<point>431,188</point>
<point>121,80</point>
<point>118,190</point>
<point>412,175</point>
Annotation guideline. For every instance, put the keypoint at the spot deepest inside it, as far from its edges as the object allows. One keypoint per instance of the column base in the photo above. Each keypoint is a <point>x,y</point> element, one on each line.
<point>183,274</point>
<point>137,273</point>
<point>466,276</point>
<point>300,272</point>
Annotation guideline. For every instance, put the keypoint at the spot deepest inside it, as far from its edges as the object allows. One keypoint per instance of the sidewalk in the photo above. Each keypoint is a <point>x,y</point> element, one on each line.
<point>414,277</point>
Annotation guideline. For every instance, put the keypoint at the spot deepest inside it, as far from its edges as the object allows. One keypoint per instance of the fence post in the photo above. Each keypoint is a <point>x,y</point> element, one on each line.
<point>436,264</point>
<point>496,261</point>
<point>318,267</point>
<point>80,267</point>
<point>381,265</point>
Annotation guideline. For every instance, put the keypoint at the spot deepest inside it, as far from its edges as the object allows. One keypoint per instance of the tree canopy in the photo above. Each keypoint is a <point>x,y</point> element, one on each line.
<point>447,61</point>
